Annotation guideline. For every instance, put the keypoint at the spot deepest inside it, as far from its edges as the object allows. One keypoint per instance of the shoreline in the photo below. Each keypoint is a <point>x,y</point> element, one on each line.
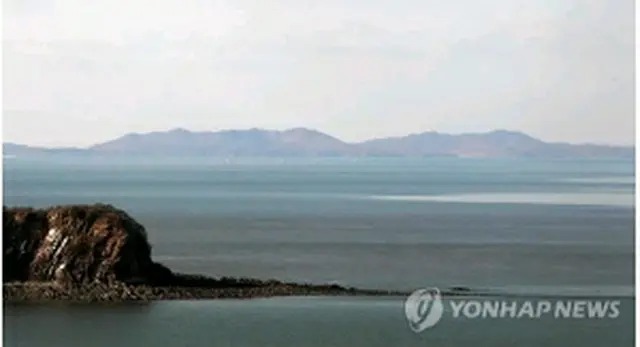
<point>51,292</point>
<point>98,253</point>
<point>33,292</point>
<point>46,292</point>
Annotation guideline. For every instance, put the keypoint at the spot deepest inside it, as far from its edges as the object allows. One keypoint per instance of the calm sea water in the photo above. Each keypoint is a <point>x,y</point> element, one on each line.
<point>534,227</point>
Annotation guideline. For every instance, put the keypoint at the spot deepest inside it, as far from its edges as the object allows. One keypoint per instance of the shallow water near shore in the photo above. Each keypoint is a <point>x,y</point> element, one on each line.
<point>307,321</point>
<point>536,227</point>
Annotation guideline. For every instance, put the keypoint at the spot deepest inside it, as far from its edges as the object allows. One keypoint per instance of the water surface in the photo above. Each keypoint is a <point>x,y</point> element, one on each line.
<point>542,227</point>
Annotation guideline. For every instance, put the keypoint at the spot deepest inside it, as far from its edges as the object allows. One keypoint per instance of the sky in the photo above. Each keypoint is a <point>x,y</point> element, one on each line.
<point>78,72</point>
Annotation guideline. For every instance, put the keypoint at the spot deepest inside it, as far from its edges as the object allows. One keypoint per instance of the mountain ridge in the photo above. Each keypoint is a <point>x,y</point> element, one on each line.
<point>302,141</point>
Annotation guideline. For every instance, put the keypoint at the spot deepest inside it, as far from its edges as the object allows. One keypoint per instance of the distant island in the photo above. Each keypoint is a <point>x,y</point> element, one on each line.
<point>303,142</point>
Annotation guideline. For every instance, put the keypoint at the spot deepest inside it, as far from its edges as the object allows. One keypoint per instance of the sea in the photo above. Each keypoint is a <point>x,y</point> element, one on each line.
<point>526,230</point>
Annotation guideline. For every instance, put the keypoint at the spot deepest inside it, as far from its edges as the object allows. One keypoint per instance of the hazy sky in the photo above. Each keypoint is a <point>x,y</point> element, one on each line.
<point>78,72</point>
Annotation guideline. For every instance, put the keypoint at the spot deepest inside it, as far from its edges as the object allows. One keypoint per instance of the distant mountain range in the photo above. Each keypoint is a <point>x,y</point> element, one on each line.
<point>308,142</point>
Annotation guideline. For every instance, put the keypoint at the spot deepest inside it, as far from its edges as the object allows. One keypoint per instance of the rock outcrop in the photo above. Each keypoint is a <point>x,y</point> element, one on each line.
<point>99,253</point>
<point>76,245</point>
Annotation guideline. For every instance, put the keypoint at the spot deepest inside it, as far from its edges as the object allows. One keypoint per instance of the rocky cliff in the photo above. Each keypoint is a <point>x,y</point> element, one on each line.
<point>100,253</point>
<point>76,245</point>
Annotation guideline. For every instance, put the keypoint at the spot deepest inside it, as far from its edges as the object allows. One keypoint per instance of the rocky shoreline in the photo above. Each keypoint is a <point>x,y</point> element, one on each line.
<point>98,253</point>
<point>42,292</point>
<point>185,287</point>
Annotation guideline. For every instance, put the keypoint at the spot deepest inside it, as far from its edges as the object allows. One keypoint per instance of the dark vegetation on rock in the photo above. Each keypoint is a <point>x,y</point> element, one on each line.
<point>100,253</point>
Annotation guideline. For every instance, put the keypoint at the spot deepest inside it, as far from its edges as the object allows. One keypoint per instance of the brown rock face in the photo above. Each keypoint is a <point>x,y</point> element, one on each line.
<point>92,253</point>
<point>77,245</point>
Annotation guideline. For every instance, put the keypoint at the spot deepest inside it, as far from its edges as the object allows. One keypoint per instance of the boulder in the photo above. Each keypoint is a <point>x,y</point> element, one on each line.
<point>76,245</point>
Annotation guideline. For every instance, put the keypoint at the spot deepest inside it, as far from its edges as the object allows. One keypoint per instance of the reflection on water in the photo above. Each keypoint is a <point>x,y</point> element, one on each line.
<point>624,200</point>
<point>614,179</point>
